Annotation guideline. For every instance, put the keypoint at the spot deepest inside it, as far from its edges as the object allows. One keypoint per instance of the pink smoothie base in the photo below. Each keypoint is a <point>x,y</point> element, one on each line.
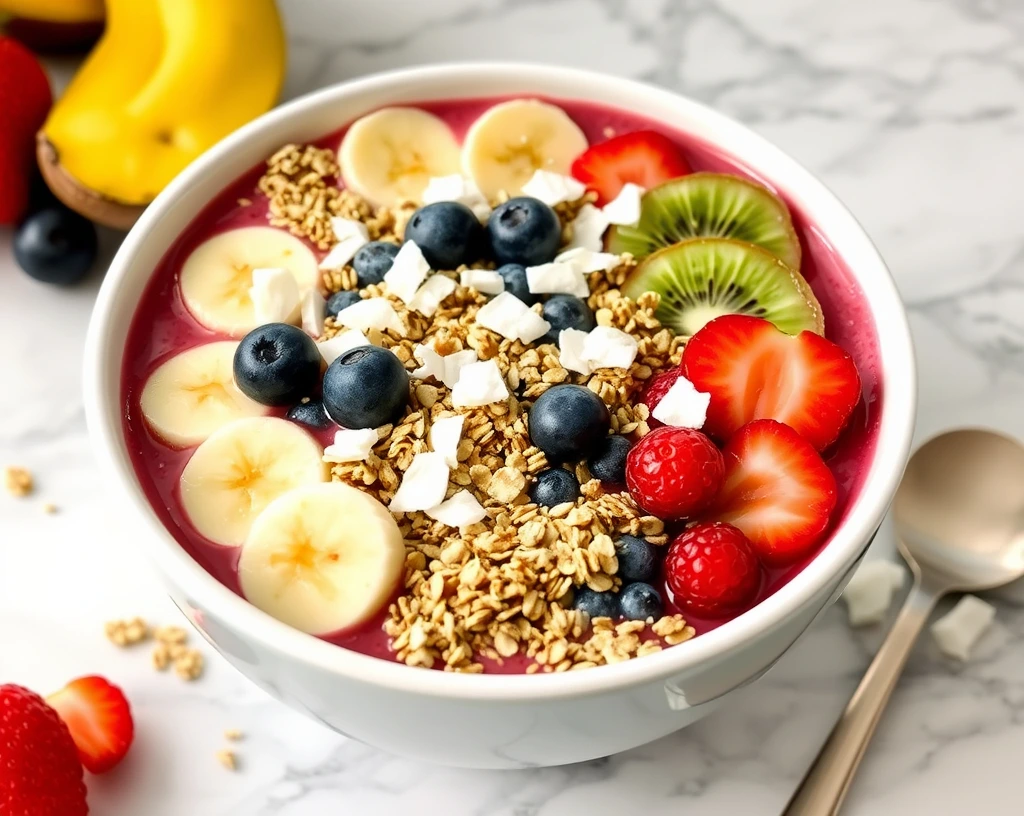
<point>162,327</point>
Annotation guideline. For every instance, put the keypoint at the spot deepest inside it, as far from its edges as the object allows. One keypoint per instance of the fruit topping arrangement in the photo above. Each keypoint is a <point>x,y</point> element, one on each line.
<point>519,403</point>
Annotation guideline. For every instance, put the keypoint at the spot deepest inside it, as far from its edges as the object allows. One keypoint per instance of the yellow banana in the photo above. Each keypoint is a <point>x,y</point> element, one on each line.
<point>54,11</point>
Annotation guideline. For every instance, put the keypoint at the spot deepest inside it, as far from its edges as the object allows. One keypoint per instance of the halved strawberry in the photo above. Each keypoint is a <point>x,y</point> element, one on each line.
<point>643,157</point>
<point>777,490</point>
<point>99,719</point>
<point>754,371</point>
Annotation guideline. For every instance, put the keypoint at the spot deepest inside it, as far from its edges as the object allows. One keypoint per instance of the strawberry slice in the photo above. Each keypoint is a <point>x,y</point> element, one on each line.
<point>644,157</point>
<point>754,371</point>
<point>99,719</point>
<point>777,490</point>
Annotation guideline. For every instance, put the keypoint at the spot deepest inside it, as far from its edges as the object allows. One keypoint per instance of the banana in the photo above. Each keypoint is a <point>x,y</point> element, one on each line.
<point>243,467</point>
<point>390,155</point>
<point>54,11</point>
<point>216,278</point>
<point>514,139</point>
<point>322,558</point>
<point>194,393</point>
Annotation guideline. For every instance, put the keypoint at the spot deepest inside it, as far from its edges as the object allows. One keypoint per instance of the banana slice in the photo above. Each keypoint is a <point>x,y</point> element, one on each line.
<point>194,393</point>
<point>390,155</point>
<point>514,139</point>
<point>217,276</point>
<point>322,558</point>
<point>242,468</point>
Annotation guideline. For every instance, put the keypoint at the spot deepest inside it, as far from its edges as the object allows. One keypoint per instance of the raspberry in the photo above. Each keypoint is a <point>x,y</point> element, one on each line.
<point>711,570</point>
<point>673,473</point>
<point>657,388</point>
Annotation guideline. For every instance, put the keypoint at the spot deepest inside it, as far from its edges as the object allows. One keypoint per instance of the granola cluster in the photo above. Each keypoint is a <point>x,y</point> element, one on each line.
<point>503,587</point>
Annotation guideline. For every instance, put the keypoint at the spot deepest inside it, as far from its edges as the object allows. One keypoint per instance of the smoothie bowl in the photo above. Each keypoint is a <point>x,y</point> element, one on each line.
<point>500,415</point>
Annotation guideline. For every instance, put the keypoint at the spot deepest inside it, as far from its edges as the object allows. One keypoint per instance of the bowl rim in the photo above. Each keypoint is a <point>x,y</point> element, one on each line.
<point>848,540</point>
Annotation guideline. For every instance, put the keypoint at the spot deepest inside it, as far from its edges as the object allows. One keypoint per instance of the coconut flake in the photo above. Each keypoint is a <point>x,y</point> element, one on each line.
<point>430,295</point>
<point>332,349</point>
<point>350,237</point>
<point>870,591</point>
<point>531,326</point>
<point>625,209</point>
<point>370,313</point>
<point>407,272</point>
<point>553,188</point>
<point>570,351</point>
<point>458,188</point>
<point>479,384</point>
<point>958,630</point>
<point>683,406</point>
<point>607,347</point>
<point>485,281</point>
<point>443,369</point>
<point>460,510</point>
<point>588,228</point>
<point>351,445</point>
<point>557,278</point>
<point>586,260</point>
<point>444,436</point>
<point>424,484</point>
<point>502,315</point>
<point>313,312</point>
<point>275,296</point>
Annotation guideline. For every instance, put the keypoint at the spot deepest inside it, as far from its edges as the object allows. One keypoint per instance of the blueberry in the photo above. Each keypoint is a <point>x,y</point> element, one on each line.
<point>312,414</point>
<point>276,364</point>
<point>366,387</point>
<point>608,461</point>
<point>55,245</point>
<point>524,231</point>
<point>596,604</point>
<point>568,421</point>
<point>373,261</point>
<point>448,234</point>
<point>567,312</point>
<point>554,486</point>
<point>640,601</point>
<point>514,276</point>
<point>638,559</point>
<point>340,300</point>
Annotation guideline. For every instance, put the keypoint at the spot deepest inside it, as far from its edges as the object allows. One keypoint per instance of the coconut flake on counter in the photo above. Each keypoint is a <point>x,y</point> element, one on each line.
<point>588,229</point>
<point>370,313</point>
<point>313,311</point>
<point>683,406</point>
<point>512,319</point>
<point>424,484</point>
<point>443,369</point>
<point>350,236</point>
<point>485,281</point>
<point>586,260</point>
<point>407,273</point>
<point>460,510</point>
<point>351,445</point>
<point>479,384</point>
<point>458,188</point>
<point>625,208</point>
<point>444,436</point>
<point>275,295</point>
<point>958,630</point>
<point>570,351</point>
<point>557,279</point>
<point>869,593</point>
<point>607,347</point>
<point>332,349</point>
<point>430,295</point>
<point>553,188</point>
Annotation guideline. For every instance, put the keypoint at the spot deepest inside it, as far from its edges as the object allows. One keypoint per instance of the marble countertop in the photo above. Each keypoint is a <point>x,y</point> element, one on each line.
<point>911,110</point>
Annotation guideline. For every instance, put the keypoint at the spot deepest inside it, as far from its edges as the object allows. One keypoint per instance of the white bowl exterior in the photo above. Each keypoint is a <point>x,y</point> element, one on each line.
<point>495,720</point>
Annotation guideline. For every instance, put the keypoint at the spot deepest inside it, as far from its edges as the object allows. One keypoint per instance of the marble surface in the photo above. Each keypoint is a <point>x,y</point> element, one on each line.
<point>911,110</point>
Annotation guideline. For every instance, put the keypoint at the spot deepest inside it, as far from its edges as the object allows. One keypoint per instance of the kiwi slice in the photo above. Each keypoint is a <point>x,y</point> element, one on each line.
<point>705,278</point>
<point>710,205</point>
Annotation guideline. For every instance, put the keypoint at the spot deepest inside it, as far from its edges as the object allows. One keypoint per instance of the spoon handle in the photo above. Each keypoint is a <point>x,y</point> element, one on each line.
<point>823,789</point>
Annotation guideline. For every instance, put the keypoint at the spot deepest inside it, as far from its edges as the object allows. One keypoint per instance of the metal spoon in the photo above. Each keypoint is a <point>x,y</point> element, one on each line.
<point>959,516</point>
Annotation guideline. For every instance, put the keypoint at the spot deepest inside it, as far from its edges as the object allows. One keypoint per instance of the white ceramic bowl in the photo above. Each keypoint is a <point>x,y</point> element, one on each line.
<point>483,720</point>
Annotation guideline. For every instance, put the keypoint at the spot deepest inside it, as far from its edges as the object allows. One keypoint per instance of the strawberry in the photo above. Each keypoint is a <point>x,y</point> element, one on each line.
<point>643,157</point>
<point>712,570</point>
<point>655,390</point>
<point>754,371</point>
<point>24,102</point>
<point>97,714</point>
<point>777,490</point>
<point>673,473</point>
<point>40,774</point>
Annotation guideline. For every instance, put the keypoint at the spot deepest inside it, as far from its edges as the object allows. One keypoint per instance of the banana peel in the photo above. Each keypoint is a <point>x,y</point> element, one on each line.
<point>168,79</point>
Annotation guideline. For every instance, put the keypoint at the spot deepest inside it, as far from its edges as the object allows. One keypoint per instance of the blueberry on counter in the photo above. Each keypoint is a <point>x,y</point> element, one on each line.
<point>448,234</point>
<point>276,364</point>
<point>554,486</point>
<point>640,601</point>
<point>638,559</point>
<point>567,312</point>
<point>55,245</point>
<point>514,276</point>
<point>366,387</point>
<point>567,422</point>
<point>524,231</point>
<point>373,261</point>
<point>340,300</point>
<point>608,461</point>
<point>596,604</point>
<point>311,413</point>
